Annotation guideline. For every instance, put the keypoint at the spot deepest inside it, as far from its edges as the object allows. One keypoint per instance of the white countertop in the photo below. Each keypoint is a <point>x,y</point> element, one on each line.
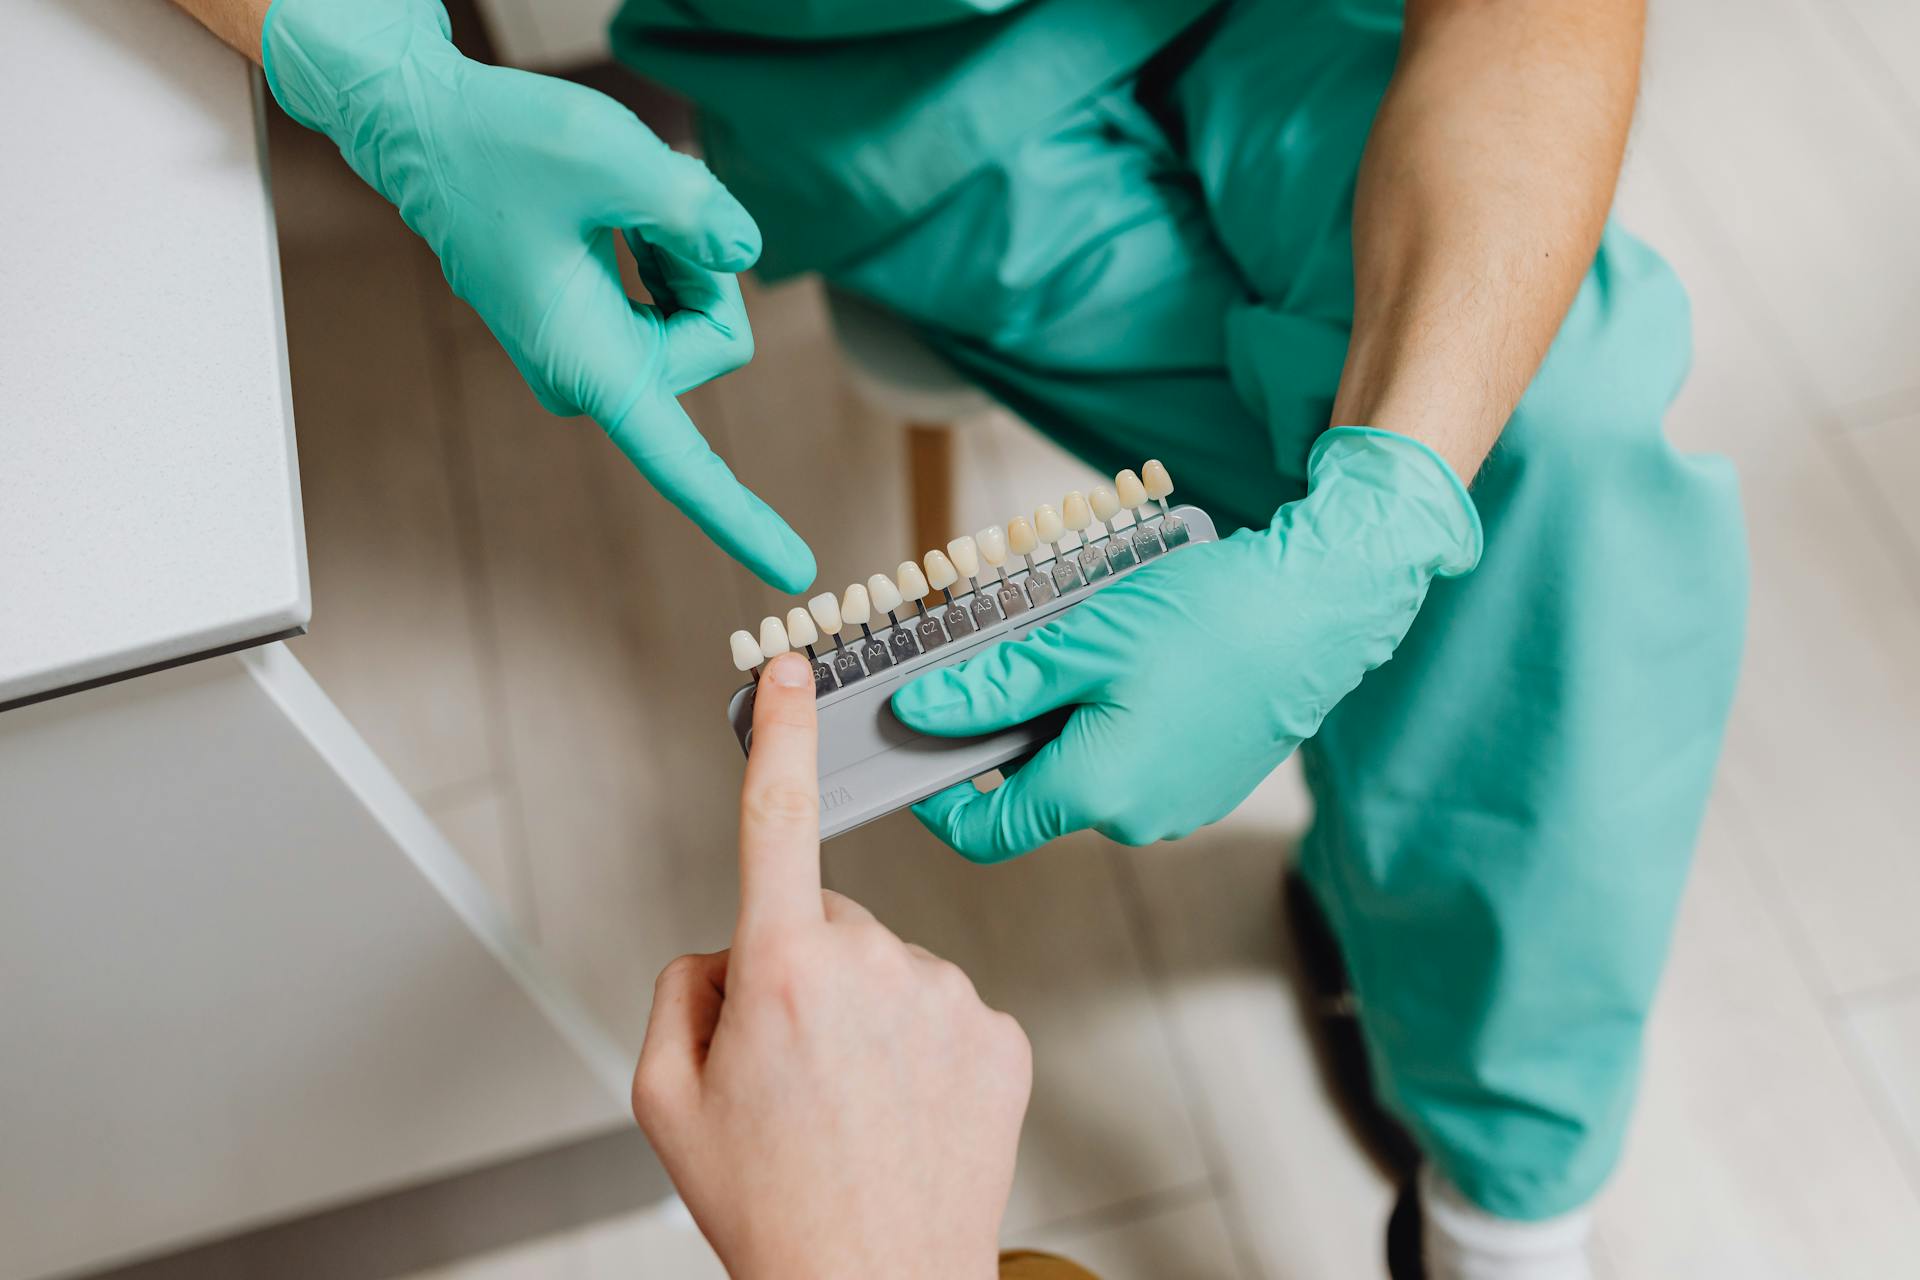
<point>149,495</point>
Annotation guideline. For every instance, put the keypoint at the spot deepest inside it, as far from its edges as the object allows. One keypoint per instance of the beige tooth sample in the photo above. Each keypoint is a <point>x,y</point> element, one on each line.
<point>1074,512</point>
<point>1020,537</point>
<point>965,554</point>
<point>825,609</point>
<point>992,544</point>
<point>885,594</point>
<point>940,570</point>
<point>856,608</point>
<point>800,629</point>
<point>1131,492</point>
<point>746,650</point>
<point>1105,504</point>
<point>773,639</point>
<point>1157,483</point>
<point>912,583</point>
<point>1046,523</point>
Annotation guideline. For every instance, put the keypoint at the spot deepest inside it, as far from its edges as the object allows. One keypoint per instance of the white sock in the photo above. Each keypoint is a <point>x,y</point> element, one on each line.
<point>1464,1242</point>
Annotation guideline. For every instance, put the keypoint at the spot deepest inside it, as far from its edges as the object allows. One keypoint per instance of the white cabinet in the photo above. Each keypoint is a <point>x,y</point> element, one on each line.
<point>243,976</point>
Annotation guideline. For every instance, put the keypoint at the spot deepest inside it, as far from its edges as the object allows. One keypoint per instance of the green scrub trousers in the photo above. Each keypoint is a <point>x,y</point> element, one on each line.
<point>1505,811</point>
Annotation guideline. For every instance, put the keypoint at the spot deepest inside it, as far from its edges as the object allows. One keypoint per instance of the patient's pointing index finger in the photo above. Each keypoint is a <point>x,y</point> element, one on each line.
<point>780,803</point>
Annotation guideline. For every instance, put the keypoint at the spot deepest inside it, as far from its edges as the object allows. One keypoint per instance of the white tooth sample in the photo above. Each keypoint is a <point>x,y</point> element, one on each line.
<point>746,650</point>
<point>1074,512</point>
<point>992,542</point>
<point>912,583</point>
<point>800,627</point>
<point>825,609</point>
<point>1158,483</point>
<point>856,607</point>
<point>1129,489</point>
<point>884,593</point>
<point>1105,505</point>
<point>940,571</point>
<point>773,639</point>
<point>965,554</point>
<point>1020,539</point>
<point>1046,523</point>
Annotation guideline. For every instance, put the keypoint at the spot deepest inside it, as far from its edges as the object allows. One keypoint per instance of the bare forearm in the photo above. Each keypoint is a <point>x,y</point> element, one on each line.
<point>1482,195</point>
<point>237,22</point>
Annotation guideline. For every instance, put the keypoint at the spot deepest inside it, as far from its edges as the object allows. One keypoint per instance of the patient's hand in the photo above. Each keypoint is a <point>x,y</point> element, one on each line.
<point>830,1100</point>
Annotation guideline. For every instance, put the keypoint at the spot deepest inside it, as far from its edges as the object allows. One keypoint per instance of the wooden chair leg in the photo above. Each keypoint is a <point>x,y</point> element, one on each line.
<point>930,485</point>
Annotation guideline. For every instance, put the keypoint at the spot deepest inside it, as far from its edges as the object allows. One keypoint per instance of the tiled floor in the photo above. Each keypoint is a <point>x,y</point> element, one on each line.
<point>533,643</point>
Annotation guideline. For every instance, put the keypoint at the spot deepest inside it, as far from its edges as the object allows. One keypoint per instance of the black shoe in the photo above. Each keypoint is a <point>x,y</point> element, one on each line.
<point>1333,1024</point>
<point>1405,1259</point>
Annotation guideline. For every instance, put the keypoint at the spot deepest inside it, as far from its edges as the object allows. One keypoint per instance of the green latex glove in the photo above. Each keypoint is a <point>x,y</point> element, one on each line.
<point>1197,675</point>
<point>521,184</point>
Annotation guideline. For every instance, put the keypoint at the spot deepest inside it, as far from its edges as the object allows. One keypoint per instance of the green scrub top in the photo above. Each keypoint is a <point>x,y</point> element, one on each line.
<point>838,121</point>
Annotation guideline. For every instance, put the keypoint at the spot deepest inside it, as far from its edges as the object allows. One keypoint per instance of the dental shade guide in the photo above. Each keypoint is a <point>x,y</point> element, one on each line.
<point>965,554</point>
<point>870,763</point>
<point>1078,516</point>
<point>825,609</point>
<point>913,586</point>
<point>1159,484</point>
<point>885,594</point>
<point>803,634</point>
<point>1133,496</point>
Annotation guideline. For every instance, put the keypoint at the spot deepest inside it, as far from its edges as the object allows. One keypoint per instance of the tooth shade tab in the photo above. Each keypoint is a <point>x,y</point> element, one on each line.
<point>940,570</point>
<point>965,554</point>
<point>1130,491</point>
<point>746,650</point>
<point>773,639</point>
<point>856,608</point>
<point>883,592</point>
<point>800,628</point>
<point>826,611</point>
<point>912,583</point>
<point>992,544</point>
<point>1157,482</point>
<point>1074,512</point>
<point>1020,537</point>
<point>1105,505</point>
<point>1046,523</point>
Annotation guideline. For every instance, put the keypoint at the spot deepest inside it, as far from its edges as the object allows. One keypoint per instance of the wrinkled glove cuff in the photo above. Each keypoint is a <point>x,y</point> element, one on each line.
<point>324,58</point>
<point>1409,489</point>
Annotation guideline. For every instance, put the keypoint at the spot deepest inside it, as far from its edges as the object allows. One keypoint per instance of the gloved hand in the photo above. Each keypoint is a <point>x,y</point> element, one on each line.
<point>520,183</point>
<point>1197,675</point>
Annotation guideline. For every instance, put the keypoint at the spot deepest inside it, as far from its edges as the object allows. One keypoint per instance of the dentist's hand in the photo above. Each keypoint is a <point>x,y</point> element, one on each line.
<point>521,184</point>
<point>1194,678</point>
<point>830,1101</point>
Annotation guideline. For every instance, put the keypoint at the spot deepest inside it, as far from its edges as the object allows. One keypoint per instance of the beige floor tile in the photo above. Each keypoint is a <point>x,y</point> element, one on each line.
<point>1308,1202</point>
<point>611,641</point>
<point>1187,1241</point>
<point>479,822</point>
<point>1046,939</point>
<point>1755,1152</point>
<point>1889,453</point>
<point>1885,1030</point>
<point>391,639</point>
<point>1882,35</point>
<point>1821,744</point>
<point>1811,174</point>
<point>656,1245</point>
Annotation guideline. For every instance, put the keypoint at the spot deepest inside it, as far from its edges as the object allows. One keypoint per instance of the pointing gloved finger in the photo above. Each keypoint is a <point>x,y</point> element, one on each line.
<point>1009,684</point>
<point>659,438</point>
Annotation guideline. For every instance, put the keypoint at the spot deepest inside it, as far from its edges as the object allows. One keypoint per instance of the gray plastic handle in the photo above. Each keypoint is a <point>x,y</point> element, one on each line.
<point>872,765</point>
